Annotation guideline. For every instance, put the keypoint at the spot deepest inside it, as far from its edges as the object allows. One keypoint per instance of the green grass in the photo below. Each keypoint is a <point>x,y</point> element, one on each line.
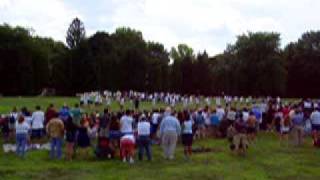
<point>265,160</point>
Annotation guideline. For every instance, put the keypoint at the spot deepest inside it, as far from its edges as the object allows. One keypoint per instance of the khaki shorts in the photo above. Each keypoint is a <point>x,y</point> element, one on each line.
<point>240,141</point>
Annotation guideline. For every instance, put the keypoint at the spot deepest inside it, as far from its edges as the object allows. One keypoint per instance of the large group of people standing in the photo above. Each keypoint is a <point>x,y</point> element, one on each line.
<point>117,134</point>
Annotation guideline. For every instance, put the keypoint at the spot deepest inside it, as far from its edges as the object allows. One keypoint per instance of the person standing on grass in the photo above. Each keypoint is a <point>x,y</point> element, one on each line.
<point>76,114</point>
<point>71,130</point>
<point>50,113</point>
<point>285,129</point>
<point>251,127</point>
<point>127,145</point>
<point>126,123</point>
<point>55,130</point>
<point>12,121</point>
<point>169,131</point>
<point>64,113</point>
<point>155,119</point>
<point>143,141</point>
<point>115,134</point>
<point>298,127</point>
<point>83,139</point>
<point>37,124</point>
<point>315,124</point>
<point>200,125</point>
<point>22,130</point>
<point>187,136</point>
<point>104,124</point>
<point>240,139</point>
<point>214,123</point>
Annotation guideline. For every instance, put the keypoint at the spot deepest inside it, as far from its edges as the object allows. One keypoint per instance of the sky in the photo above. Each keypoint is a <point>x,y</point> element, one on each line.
<point>202,24</point>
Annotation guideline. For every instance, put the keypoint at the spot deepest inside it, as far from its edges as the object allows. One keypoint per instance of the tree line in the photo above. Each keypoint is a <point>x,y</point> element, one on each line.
<point>254,65</point>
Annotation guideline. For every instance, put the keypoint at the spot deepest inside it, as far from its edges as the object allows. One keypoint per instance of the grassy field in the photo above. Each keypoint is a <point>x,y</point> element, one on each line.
<point>266,159</point>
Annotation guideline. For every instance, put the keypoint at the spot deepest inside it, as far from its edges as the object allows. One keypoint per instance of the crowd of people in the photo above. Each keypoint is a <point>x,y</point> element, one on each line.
<point>118,134</point>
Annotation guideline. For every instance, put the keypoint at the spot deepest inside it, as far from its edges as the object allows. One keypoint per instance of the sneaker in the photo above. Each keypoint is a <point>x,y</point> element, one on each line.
<point>131,161</point>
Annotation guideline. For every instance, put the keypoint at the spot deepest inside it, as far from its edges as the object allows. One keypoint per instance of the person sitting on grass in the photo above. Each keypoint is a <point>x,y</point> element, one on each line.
<point>187,136</point>
<point>22,130</point>
<point>55,130</point>
<point>127,146</point>
<point>83,139</point>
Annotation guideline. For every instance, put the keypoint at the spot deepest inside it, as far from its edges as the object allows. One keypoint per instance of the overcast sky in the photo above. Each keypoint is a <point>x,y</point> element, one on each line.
<point>202,24</point>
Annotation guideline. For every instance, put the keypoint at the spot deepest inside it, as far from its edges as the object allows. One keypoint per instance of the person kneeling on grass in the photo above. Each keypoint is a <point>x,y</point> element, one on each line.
<point>22,129</point>
<point>127,145</point>
<point>55,130</point>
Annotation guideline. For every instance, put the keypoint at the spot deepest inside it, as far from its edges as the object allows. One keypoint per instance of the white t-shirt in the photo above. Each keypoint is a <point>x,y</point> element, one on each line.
<point>220,113</point>
<point>307,104</point>
<point>37,120</point>
<point>315,117</point>
<point>126,124</point>
<point>245,116</point>
<point>206,118</point>
<point>144,128</point>
<point>28,120</point>
<point>155,117</point>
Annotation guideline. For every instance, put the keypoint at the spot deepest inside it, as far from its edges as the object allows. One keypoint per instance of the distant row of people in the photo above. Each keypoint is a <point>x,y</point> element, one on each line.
<point>113,134</point>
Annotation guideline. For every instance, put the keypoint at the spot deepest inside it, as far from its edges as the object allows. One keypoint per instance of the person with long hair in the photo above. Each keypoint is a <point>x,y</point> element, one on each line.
<point>71,130</point>
<point>187,136</point>
<point>22,130</point>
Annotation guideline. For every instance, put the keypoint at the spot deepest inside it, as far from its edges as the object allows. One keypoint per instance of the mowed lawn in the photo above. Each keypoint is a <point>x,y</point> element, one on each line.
<point>266,159</point>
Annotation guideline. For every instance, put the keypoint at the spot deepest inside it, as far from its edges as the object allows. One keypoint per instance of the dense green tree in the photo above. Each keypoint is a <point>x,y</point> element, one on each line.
<point>303,63</point>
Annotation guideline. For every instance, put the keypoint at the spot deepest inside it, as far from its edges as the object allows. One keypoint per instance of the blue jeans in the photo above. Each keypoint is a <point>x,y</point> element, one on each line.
<point>144,144</point>
<point>21,140</point>
<point>56,148</point>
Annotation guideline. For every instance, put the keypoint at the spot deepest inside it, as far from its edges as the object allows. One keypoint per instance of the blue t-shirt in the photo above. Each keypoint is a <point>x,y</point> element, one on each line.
<point>257,112</point>
<point>214,119</point>
<point>297,119</point>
